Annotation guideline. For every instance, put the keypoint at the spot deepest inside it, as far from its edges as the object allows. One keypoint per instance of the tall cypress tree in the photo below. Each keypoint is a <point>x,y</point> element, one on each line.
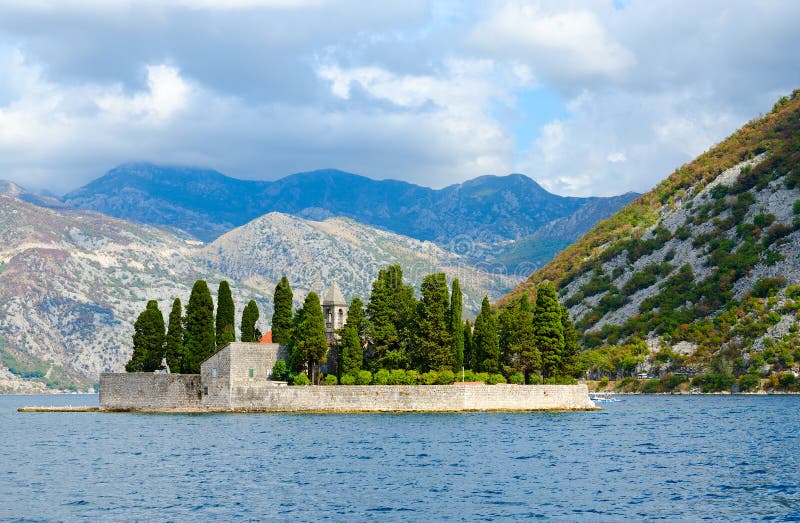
<point>199,341</point>
<point>282,317</point>
<point>391,310</point>
<point>456,326</point>
<point>250,316</point>
<point>226,316</point>
<point>485,339</point>
<point>351,351</point>
<point>432,341</point>
<point>468,347</point>
<point>516,338</point>
<point>311,341</point>
<point>569,358</point>
<point>174,343</point>
<point>148,340</point>
<point>356,317</point>
<point>548,331</point>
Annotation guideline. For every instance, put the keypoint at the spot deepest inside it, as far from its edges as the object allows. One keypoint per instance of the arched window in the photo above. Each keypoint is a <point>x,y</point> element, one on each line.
<point>341,316</point>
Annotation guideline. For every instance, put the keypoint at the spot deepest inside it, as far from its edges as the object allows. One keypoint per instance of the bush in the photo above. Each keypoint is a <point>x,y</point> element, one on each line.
<point>301,379</point>
<point>429,378</point>
<point>651,386</point>
<point>495,379</point>
<point>671,382</point>
<point>749,382</point>
<point>348,379</point>
<point>381,377</point>
<point>766,287</point>
<point>516,379</point>
<point>787,379</point>
<point>482,377</point>
<point>364,377</point>
<point>281,371</point>
<point>446,377</point>
<point>330,379</point>
<point>604,382</point>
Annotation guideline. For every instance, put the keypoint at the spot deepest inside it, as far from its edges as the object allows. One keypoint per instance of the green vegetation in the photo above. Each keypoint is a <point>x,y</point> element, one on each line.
<point>173,347</point>
<point>250,315</point>
<point>149,339</point>
<point>226,316</point>
<point>455,324</point>
<point>200,340</point>
<point>308,343</point>
<point>282,318</point>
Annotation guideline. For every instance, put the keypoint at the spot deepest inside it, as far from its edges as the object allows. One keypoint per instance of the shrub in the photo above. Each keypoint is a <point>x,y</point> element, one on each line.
<point>793,291</point>
<point>604,382</point>
<point>796,207</point>
<point>301,379</point>
<point>671,382</point>
<point>330,379</point>
<point>766,287</point>
<point>348,379</point>
<point>445,377</point>
<point>281,371</point>
<point>429,378</point>
<point>651,386</point>
<point>787,379</point>
<point>381,377</point>
<point>481,376</point>
<point>517,379</point>
<point>494,379</point>
<point>364,377</point>
<point>749,381</point>
<point>534,380</point>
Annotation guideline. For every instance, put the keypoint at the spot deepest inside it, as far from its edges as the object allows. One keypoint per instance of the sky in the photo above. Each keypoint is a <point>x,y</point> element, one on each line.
<point>586,97</point>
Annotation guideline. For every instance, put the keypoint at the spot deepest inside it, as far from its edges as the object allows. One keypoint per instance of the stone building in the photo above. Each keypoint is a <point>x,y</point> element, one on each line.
<point>238,368</point>
<point>334,310</point>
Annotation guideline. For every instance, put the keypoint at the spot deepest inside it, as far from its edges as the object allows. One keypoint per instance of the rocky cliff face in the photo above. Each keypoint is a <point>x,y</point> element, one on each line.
<point>707,264</point>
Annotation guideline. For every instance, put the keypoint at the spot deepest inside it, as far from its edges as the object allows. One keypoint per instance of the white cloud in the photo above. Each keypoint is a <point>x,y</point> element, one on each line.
<point>616,158</point>
<point>167,94</point>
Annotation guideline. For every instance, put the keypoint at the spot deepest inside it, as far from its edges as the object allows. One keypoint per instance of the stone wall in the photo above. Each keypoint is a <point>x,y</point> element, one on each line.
<point>148,391</point>
<point>400,398</point>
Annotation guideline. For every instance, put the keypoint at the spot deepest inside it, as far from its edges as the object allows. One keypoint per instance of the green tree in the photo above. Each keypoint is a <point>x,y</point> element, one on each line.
<point>456,326</point>
<point>548,331</point>
<point>226,316</point>
<point>468,347</point>
<point>569,357</point>
<point>250,316</point>
<point>517,343</point>
<point>174,343</point>
<point>485,340</point>
<point>310,336</point>
<point>391,310</point>
<point>433,348</point>
<point>351,351</point>
<point>199,341</point>
<point>148,340</point>
<point>282,321</point>
<point>356,317</point>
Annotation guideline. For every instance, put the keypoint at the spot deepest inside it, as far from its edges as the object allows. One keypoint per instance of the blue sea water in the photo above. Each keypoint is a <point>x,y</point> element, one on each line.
<point>644,458</point>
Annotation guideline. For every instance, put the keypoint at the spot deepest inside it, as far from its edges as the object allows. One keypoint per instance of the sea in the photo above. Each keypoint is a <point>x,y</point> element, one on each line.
<point>687,458</point>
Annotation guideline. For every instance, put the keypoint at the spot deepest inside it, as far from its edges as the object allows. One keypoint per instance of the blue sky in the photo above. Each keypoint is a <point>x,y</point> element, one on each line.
<point>592,97</point>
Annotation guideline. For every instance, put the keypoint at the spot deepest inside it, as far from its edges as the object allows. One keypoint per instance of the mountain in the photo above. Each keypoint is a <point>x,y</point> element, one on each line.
<point>315,253</point>
<point>703,270</point>
<point>206,204</point>
<point>72,282</point>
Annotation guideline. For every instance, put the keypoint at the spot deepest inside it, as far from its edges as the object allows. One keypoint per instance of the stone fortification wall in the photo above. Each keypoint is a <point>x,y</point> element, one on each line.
<point>165,392</point>
<point>148,391</point>
<point>433,398</point>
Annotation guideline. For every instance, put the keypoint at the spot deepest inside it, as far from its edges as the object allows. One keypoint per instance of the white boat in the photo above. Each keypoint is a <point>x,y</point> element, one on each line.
<point>603,397</point>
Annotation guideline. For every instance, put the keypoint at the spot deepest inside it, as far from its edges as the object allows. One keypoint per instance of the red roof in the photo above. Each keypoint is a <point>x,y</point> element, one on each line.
<point>266,338</point>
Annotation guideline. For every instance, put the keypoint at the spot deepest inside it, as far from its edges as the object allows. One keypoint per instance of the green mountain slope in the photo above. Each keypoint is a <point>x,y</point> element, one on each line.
<point>702,268</point>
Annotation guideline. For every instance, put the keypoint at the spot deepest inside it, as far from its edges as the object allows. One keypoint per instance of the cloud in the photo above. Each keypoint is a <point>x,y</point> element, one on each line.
<point>433,93</point>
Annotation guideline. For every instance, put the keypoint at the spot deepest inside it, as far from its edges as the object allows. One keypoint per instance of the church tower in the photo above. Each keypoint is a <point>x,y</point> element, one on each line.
<point>334,309</point>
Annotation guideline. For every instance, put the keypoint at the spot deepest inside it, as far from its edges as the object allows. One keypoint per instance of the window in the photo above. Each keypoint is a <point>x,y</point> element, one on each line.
<point>205,391</point>
<point>213,373</point>
<point>250,373</point>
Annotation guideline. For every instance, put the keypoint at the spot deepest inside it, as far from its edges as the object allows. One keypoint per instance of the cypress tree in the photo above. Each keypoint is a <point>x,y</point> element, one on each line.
<point>356,317</point>
<point>485,339</point>
<point>516,338</point>
<point>391,310</point>
<point>282,317</point>
<point>148,340</point>
<point>200,341</point>
<point>250,316</point>
<point>311,341</point>
<point>468,347</point>
<point>456,326</point>
<point>226,316</point>
<point>432,341</point>
<point>351,350</point>
<point>569,358</point>
<point>174,343</point>
<point>548,332</point>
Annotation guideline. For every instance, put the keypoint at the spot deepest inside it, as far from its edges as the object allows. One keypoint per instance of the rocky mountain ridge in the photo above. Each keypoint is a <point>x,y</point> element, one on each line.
<point>705,268</point>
